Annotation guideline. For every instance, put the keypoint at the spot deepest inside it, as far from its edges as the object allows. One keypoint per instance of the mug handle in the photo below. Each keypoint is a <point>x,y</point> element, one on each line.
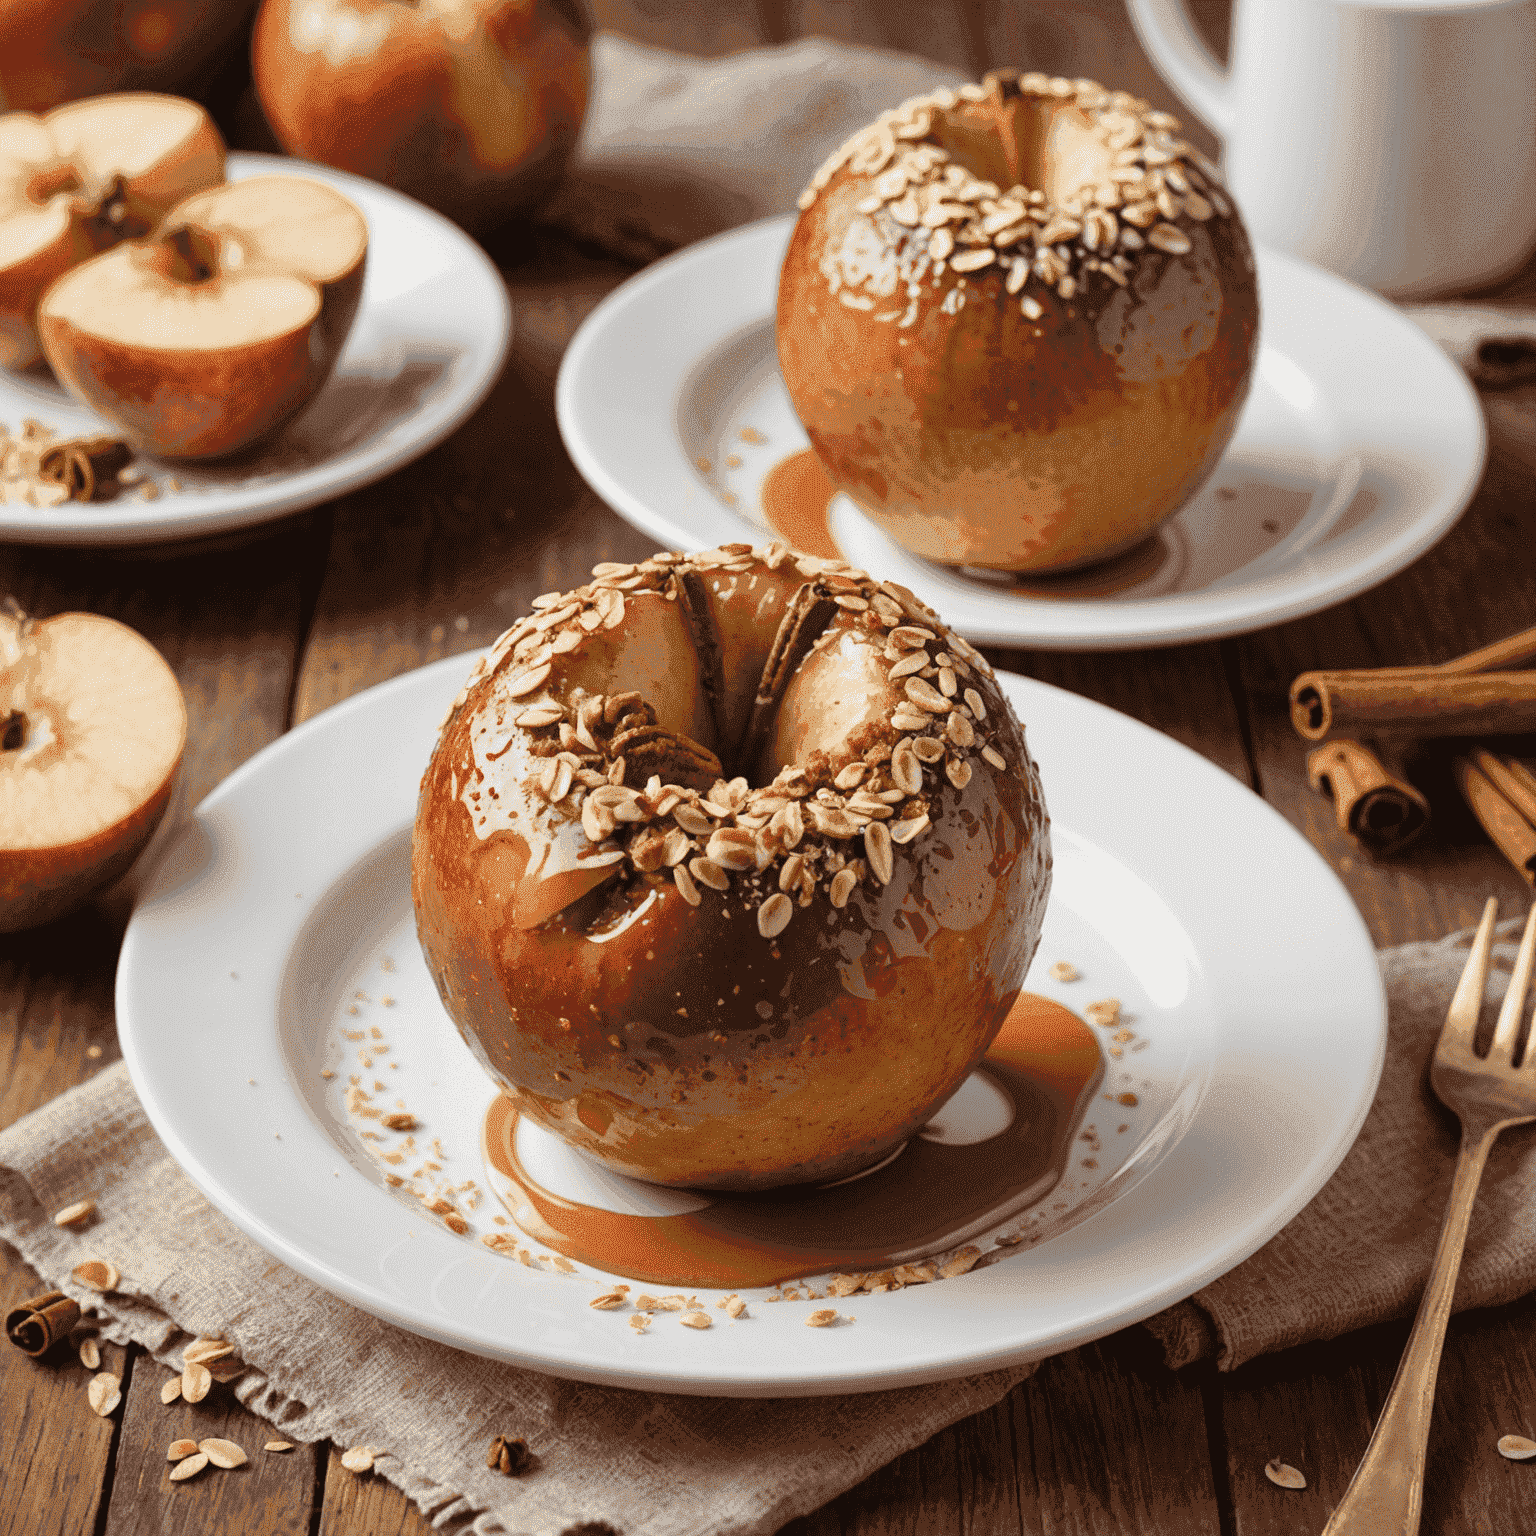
<point>1184,61</point>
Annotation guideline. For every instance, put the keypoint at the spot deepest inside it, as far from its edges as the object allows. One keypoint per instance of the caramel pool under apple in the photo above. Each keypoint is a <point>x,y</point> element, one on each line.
<point>1043,1067</point>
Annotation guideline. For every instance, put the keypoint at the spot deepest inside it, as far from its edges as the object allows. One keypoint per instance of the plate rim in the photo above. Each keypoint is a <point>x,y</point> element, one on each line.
<point>437,683</point>
<point>279,496</point>
<point>1154,621</point>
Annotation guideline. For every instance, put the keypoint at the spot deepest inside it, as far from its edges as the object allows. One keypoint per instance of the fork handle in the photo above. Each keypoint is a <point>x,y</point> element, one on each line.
<point>1386,1495</point>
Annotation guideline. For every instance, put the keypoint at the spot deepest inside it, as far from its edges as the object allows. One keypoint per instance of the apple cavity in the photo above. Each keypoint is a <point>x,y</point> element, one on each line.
<point>222,327</point>
<point>80,180</point>
<point>92,728</point>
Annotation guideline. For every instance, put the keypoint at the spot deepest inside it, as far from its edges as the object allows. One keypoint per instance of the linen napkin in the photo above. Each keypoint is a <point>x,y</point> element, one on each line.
<point>652,1464</point>
<point>675,148</point>
<point>1360,1252</point>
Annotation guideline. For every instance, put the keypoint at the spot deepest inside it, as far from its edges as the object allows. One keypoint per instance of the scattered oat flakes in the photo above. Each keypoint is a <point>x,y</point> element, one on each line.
<point>640,1321</point>
<point>1283,1476</point>
<point>1105,1012</point>
<point>72,1215</point>
<point>1516,1448</point>
<point>695,1320</point>
<point>179,1450</point>
<point>965,1259</point>
<point>358,1459</point>
<point>90,1353</point>
<point>97,1274</point>
<point>1064,970</point>
<point>94,1052</point>
<point>822,1317</point>
<point>196,1381</point>
<point>607,1301</point>
<point>403,1121</point>
<point>104,1393</point>
<point>564,1264</point>
<point>222,1453</point>
<point>189,1468</point>
<point>278,1445</point>
<point>202,1351</point>
<point>170,1390</point>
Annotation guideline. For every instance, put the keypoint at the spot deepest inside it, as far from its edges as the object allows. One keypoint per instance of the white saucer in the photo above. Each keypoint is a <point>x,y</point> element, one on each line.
<point>1360,446</point>
<point>269,938</point>
<point>429,340</point>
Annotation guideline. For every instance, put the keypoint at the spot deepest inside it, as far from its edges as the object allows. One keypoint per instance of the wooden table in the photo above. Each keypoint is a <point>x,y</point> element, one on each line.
<point>271,628</point>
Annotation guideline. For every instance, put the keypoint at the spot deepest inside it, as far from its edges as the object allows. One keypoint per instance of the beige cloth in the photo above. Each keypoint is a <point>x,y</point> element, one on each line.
<point>676,148</point>
<point>654,1465</point>
<point>1358,1254</point>
<point>650,1464</point>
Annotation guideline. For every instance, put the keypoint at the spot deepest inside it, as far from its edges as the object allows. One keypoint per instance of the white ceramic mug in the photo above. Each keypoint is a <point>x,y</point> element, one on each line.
<point>1391,140</point>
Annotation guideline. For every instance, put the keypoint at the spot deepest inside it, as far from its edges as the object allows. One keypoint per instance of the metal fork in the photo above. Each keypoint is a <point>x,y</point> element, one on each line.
<point>1488,1093</point>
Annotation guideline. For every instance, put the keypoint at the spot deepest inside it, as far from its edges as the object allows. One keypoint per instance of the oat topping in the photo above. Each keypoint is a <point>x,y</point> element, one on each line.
<point>1064,970</point>
<point>1283,1476</point>
<point>98,1274</point>
<point>926,214</point>
<point>104,1393</point>
<point>660,804</point>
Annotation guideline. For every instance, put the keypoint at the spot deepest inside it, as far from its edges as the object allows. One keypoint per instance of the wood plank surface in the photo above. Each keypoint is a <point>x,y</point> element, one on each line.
<point>271,1495</point>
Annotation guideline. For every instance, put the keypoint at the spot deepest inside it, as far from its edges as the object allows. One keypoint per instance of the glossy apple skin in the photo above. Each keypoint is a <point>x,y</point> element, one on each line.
<point>38,885</point>
<point>189,405</point>
<point>53,51</point>
<point>686,1049</point>
<point>477,122</point>
<point>988,439</point>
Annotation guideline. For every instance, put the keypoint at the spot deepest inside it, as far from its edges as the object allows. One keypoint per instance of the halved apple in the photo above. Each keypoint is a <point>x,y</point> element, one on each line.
<point>221,327</point>
<point>92,728</point>
<point>83,178</point>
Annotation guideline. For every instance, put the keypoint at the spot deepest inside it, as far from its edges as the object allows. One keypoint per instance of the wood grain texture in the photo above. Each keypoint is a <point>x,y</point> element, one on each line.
<point>446,554</point>
<point>54,1448</point>
<point>1315,1408</point>
<point>359,1502</point>
<point>1101,1439</point>
<point>1466,592</point>
<point>271,1495</point>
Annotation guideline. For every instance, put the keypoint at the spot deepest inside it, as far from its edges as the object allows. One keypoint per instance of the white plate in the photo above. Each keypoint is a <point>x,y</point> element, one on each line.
<point>1359,447</point>
<point>429,340</point>
<point>261,942</point>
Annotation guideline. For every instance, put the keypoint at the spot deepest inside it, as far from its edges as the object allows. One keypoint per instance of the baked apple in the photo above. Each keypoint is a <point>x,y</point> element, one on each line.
<point>472,106</point>
<point>729,866</point>
<point>82,179</point>
<point>53,51</point>
<point>1018,322</point>
<point>223,326</point>
<point>92,728</point>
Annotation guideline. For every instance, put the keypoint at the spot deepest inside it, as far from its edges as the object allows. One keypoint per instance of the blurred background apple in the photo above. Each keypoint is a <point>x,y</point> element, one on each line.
<point>473,106</point>
<point>53,51</point>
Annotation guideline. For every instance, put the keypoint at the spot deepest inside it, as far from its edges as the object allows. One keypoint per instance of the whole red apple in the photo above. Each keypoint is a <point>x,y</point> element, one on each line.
<point>472,106</point>
<point>53,51</point>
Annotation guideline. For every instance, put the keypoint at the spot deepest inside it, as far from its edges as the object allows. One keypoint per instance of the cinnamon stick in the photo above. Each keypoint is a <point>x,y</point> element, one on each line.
<point>1429,702</point>
<point>1502,795</point>
<point>84,465</point>
<point>1315,695</point>
<point>38,1323</point>
<point>1382,812</point>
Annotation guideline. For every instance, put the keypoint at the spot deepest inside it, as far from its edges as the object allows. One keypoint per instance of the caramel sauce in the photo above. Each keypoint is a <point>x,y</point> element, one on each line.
<point>928,1197</point>
<point>797,495</point>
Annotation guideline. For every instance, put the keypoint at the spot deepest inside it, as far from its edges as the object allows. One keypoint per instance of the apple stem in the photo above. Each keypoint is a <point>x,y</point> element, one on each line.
<point>13,731</point>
